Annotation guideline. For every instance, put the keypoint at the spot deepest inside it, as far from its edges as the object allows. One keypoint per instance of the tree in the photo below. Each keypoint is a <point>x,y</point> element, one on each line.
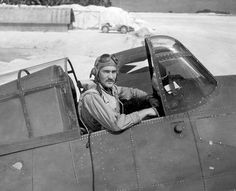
<point>105,3</point>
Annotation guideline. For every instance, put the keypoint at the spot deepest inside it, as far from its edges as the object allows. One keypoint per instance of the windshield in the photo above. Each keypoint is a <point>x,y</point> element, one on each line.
<point>181,80</point>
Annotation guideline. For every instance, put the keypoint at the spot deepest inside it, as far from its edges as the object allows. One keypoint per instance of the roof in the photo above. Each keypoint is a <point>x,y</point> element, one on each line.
<point>36,15</point>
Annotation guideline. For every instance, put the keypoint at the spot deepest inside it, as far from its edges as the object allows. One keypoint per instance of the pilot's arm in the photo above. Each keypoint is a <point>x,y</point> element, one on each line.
<point>128,93</point>
<point>110,119</point>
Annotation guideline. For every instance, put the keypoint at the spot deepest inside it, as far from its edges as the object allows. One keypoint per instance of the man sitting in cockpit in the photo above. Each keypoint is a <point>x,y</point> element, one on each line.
<point>99,107</point>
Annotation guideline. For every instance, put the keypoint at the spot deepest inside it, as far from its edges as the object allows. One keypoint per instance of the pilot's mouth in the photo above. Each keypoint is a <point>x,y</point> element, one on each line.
<point>110,81</point>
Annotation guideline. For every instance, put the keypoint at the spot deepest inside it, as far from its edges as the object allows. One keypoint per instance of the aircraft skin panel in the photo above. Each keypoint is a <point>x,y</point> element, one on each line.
<point>222,101</point>
<point>141,81</point>
<point>53,168</point>
<point>214,127</point>
<point>8,131</point>
<point>186,185</point>
<point>82,163</point>
<point>218,129</point>
<point>218,165</point>
<point>16,172</point>
<point>44,111</point>
<point>223,182</point>
<point>165,158</point>
<point>132,55</point>
<point>217,150</point>
<point>113,162</point>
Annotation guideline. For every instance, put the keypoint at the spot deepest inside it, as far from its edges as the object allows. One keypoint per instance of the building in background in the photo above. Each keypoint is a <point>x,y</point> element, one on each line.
<point>27,18</point>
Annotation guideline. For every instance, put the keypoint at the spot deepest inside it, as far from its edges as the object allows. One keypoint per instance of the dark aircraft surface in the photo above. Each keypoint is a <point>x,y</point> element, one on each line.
<point>190,147</point>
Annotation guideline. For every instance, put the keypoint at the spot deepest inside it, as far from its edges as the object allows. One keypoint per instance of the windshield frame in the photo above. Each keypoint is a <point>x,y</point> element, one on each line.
<point>156,68</point>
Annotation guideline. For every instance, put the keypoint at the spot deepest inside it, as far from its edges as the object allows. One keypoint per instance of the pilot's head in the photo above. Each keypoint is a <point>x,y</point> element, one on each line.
<point>105,70</point>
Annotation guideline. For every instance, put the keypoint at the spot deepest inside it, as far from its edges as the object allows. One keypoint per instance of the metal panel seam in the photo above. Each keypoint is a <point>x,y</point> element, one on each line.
<point>33,170</point>
<point>73,163</point>
<point>132,144</point>
<point>198,153</point>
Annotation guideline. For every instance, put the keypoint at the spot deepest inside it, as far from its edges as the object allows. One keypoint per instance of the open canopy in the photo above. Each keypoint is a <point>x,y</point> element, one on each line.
<point>178,77</point>
<point>170,70</point>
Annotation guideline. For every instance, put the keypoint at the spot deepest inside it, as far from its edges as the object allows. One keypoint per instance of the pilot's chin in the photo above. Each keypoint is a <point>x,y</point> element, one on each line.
<point>109,84</point>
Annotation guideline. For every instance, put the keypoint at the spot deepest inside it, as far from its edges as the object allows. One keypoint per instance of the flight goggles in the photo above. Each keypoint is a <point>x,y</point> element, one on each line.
<point>103,61</point>
<point>106,60</point>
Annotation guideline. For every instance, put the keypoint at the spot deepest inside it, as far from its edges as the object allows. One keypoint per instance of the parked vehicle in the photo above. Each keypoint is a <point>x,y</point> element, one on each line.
<point>107,27</point>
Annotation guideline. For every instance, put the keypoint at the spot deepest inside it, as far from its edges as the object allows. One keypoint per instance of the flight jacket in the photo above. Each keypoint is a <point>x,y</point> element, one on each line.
<point>101,110</point>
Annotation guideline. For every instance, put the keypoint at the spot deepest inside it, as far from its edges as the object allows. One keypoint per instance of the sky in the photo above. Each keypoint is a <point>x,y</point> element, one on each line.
<point>188,6</point>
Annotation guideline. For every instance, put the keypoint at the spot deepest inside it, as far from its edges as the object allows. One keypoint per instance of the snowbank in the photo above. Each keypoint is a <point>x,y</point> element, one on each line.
<point>94,16</point>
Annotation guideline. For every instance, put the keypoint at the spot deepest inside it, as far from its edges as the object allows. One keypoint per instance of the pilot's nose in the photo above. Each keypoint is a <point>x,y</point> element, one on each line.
<point>110,75</point>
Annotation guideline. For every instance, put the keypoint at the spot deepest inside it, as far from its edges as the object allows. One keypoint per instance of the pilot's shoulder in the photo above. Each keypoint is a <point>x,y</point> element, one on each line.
<point>89,93</point>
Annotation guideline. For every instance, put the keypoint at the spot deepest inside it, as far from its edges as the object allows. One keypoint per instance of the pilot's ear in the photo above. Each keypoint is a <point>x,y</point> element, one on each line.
<point>92,73</point>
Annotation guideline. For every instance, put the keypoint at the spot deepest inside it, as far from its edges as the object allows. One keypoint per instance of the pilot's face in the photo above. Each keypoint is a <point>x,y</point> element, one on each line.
<point>107,76</point>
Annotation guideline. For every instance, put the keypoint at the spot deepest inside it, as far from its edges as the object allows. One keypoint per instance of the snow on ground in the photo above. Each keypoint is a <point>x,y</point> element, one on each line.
<point>113,15</point>
<point>87,17</point>
<point>211,38</point>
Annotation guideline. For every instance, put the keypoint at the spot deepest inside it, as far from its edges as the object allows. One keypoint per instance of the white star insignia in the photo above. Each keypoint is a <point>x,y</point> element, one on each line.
<point>138,65</point>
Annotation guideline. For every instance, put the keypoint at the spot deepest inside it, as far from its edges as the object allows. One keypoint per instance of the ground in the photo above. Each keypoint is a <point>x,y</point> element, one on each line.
<point>211,38</point>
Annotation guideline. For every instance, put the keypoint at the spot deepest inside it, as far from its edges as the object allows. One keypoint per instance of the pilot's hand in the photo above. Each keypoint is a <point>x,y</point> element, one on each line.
<point>153,101</point>
<point>156,112</point>
<point>147,113</point>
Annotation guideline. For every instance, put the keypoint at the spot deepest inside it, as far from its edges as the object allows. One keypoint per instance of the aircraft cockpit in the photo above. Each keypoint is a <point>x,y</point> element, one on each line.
<point>41,144</point>
<point>171,73</point>
<point>181,81</point>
